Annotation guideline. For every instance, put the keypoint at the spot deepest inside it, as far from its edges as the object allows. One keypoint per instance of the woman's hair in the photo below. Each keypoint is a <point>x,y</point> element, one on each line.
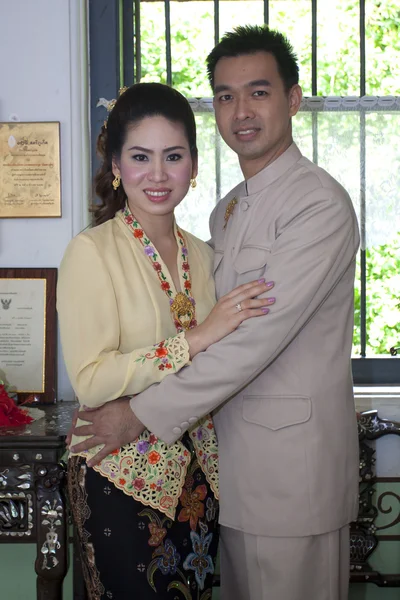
<point>137,102</point>
<point>249,39</point>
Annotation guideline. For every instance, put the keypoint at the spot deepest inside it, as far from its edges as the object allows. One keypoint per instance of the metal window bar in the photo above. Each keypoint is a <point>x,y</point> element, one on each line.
<point>217,150</point>
<point>363,259</point>
<point>314,75</point>
<point>216,22</point>
<point>314,84</point>
<point>126,45</point>
<point>138,48</point>
<point>314,125</point>
<point>168,56</point>
<point>266,12</point>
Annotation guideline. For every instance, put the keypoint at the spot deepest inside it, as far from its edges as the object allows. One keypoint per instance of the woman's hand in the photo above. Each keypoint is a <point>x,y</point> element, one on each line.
<point>231,310</point>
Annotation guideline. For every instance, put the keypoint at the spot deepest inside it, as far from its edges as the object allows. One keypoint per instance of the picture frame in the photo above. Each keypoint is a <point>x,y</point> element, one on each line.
<point>30,172</point>
<point>28,333</point>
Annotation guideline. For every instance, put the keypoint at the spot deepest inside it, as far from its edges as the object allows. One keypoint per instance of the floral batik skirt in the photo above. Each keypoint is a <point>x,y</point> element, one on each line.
<point>133,552</point>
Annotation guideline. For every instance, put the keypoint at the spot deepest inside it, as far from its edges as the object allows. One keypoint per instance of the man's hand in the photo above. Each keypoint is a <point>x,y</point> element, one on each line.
<point>113,424</point>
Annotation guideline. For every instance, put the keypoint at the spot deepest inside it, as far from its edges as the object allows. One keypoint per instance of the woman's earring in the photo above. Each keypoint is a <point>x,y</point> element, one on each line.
<point>116,182</point>
<point>193,183</point>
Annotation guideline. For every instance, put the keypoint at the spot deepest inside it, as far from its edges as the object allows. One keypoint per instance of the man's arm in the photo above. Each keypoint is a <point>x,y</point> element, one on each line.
<point>312,252</point>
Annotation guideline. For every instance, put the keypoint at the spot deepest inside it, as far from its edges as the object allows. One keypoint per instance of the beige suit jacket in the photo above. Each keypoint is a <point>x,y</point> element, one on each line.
<point>281,384</point>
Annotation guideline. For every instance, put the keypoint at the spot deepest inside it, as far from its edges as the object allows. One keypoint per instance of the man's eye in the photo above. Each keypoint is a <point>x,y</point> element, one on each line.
<point>260,93</point>
<point>139,157</point>
<point>174,157</point>
<point>225,98</point>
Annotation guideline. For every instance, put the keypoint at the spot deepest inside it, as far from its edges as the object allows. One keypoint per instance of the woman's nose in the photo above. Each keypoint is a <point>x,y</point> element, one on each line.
<point>158,171</point>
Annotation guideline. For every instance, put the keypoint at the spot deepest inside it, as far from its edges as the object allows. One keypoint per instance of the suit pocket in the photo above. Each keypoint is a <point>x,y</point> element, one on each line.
<point>276,412</point>
<point>251,259</point>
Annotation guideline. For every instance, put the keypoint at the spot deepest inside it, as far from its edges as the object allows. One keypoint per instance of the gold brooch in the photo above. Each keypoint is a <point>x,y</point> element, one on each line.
<point>229,211</point>
<point>183,310</point>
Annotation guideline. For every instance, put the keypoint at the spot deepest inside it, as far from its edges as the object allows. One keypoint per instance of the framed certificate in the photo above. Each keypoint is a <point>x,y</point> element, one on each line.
<point>30,178</point>
<point>28,341</point>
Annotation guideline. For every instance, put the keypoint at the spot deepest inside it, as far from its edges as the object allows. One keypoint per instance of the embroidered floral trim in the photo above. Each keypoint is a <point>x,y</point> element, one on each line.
<point>206,447</point>
<point>154,473</point>
<point>168,354</point>
<point>148,470</point>
<point>152,253</point>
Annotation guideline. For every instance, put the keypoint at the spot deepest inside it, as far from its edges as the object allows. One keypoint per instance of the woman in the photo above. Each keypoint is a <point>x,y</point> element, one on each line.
<point>135,303</point>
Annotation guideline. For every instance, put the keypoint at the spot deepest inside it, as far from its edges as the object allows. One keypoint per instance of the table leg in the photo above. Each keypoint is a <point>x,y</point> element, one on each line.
<point>51,522</point>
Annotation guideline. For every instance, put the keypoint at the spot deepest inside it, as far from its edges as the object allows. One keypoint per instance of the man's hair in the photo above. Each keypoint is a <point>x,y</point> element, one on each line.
<point>249,39</point>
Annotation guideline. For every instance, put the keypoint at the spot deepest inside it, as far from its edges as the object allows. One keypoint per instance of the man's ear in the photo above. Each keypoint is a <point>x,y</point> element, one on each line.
<point>295,96</point>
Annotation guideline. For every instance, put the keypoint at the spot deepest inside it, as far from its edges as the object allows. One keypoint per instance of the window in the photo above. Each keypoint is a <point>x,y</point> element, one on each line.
<point>349,55</point>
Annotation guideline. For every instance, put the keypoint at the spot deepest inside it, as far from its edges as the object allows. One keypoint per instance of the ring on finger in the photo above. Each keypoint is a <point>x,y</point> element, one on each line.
<point>239,307</point>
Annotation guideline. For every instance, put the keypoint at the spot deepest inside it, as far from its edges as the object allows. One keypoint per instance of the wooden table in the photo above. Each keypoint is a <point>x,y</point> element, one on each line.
<point>32,500</point>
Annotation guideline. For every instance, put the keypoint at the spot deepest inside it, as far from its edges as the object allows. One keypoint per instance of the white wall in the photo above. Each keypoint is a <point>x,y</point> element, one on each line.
<point>43,64</point>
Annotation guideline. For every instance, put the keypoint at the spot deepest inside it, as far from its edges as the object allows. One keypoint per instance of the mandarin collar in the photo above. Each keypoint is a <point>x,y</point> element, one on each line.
<point>273,171</point>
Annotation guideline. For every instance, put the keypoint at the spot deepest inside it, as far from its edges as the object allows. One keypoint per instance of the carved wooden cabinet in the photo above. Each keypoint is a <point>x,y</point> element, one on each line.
<point>366,533</point>
<point>32,500</point>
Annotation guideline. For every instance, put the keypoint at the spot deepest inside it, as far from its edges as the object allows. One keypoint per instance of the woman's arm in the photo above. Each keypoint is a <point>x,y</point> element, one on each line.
<point>90,326</point>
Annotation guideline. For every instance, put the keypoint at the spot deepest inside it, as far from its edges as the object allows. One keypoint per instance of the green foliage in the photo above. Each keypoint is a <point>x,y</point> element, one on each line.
<point>383,299</point>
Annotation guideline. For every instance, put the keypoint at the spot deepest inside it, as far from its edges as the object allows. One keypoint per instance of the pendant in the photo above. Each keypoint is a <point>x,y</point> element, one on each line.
<point>182,310</point>
<point>229,211</point>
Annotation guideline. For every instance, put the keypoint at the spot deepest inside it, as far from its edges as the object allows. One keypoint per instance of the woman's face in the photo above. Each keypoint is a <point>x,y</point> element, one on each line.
<point>155,166</point>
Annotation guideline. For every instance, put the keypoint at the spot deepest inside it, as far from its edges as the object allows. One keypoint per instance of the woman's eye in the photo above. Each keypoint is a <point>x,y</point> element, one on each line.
<point>174,157</point>
<point>139,157</point>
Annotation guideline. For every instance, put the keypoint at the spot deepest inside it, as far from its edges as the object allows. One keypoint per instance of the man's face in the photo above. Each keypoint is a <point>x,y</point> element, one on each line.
<point>253,110</point>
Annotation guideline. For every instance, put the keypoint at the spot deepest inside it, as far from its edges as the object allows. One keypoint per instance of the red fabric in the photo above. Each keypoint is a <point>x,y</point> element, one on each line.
<point>10,414</point>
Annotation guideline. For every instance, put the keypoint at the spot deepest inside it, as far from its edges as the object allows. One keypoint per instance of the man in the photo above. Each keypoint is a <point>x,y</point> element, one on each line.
<point>281,388</point>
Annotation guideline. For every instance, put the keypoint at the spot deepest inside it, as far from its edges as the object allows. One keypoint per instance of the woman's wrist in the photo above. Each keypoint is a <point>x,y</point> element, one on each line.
<point>194,340</point>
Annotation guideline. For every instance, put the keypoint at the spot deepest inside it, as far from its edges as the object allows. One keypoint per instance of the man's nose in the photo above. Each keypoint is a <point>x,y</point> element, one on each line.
<point>243,109</point>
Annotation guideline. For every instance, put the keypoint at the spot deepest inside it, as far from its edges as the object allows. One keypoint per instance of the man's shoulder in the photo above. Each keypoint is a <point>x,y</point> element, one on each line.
<point>310,189</point>
<point>312,177</point>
